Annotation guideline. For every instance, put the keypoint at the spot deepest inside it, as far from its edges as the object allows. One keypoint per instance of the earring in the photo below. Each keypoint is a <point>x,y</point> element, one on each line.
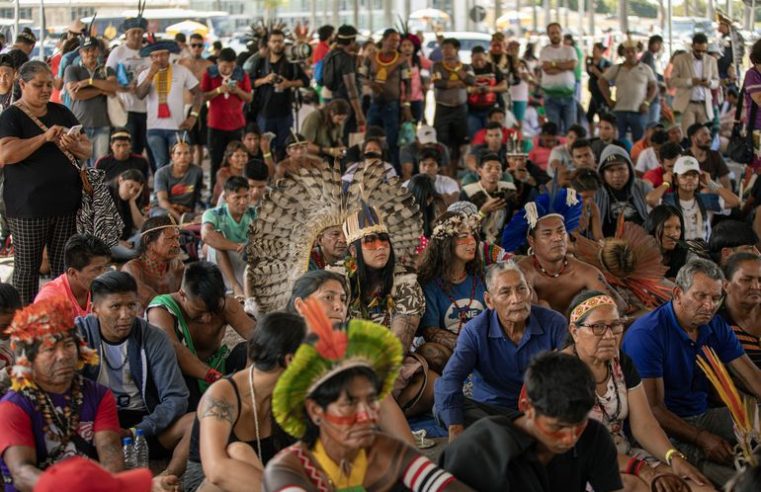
<point>317,421</point>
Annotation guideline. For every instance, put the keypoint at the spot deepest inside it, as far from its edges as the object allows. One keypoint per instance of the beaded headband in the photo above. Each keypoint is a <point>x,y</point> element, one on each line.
<point>590,304</point>
<point>452,225</point>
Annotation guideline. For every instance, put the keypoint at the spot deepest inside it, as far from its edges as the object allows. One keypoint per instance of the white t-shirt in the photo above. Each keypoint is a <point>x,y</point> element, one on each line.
<point>182,78</point>
<point>519,92</point>
<point>698,92</point>
<point>647,160</point>
<point>115,374</point>
<point>562,83</point>
<point>134,65</point>
<point>444,185</point>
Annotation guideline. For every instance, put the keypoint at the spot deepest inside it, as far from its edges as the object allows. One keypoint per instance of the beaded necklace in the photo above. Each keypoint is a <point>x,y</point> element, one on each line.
<point>539,267</point>
<point>381,75</point>
<point>58,427</point>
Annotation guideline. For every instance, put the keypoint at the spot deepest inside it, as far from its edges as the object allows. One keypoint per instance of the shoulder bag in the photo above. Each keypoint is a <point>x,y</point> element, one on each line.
<point>740,147</point>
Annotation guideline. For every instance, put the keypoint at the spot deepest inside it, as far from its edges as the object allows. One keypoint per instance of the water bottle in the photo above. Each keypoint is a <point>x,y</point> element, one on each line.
<point>128,449</point>
<point>141,449</point>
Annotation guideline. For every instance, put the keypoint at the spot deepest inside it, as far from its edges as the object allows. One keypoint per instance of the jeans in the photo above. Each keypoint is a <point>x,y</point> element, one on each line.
<point>160,141</point>
<point>125,253</point>
<point>217,142</point>
<point>561,111</point>
<point>136,126</point>
<point>99,138</point>
<point>280,126</point>
<point>476,121</point>
<point>716,421</point>
<point>417,108</point>
<point>654,116</point>
<point>386,114</point>
<point>633,120</point>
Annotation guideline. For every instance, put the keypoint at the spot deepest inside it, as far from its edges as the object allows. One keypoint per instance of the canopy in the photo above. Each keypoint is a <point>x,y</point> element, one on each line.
<point>188,27</point>
<point>429,14</point>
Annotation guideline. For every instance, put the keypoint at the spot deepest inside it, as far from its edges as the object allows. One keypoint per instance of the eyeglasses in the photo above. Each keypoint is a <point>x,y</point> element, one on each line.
<point>196,45</point>
<point>599,329</point>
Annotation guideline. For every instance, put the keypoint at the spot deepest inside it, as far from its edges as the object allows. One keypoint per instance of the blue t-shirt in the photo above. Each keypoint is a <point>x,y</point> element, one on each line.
<point>660,348</point>
<point>451,310</point>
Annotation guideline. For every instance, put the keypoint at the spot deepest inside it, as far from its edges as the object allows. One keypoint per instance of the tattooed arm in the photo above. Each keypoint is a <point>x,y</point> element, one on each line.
<point>217,414</point>
<point>21,461</point>
<point>109,450</point>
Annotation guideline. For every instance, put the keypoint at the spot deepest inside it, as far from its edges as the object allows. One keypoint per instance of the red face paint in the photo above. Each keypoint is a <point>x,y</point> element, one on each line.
<point>465,241</point>
<point>355,418</point>
<point>375,245</point>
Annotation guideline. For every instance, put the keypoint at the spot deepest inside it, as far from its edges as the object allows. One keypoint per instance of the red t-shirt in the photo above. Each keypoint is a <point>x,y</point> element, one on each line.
<point>320,51</point>
<point>655,176</point>
<point>55,62</point>
<point>480,136</point>
<point>225,113</point>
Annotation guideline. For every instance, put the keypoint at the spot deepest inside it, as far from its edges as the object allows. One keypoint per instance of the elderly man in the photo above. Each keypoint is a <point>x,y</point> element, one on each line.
<point>52,411</point>
<point>195,318</point>
<point>742,306</point>
<point>496,346</point>
<point>157,269</point>
<point>329,248</point>
<point>694,76</point>
<point>137,363</point>
<point>664,345</point>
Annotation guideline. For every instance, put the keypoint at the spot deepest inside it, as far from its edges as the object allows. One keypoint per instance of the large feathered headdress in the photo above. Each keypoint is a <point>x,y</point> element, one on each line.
<point>305,203</point>
<point>563,203</point>
<point>329,352</point>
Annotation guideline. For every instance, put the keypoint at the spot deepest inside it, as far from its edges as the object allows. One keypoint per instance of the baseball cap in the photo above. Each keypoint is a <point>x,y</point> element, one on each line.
<point>613,154</point>
<point>685,164</point>
<point>79,473</point>
<point>426,134</point>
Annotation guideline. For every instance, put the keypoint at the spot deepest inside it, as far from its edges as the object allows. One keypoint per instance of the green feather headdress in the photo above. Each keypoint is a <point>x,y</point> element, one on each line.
<point>364,343</point>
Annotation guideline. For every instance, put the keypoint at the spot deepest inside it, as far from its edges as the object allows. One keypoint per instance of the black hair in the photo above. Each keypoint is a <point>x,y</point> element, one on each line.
<point>730,234</point>
<point>252,127</point>
<point>217,45</point>
<point>755,52</point>
<point>118,135</point>
<point>275,32</point>
<point>80,249</point>
<point>489,156</point>
<point>737,259</point>
<point>560,386</point>
<point>609,118</point>
<point>423,189</point>
<point>586,180</point>
<point>7,61</point>
<point>226,55</point>
<point>180,37</point>
<point>257,170</point>
<point>330,391</point>
<point>453,42</point>
<point>549,128</point>
<point>325,32</point>
<point>670,150</point>
<point>195,35</point>
<point>694,128</point>
<point>579,130</point>
<point>203,280</point>
<point>147,238</point>
<point>308,283</point>
<point>580,143</point>
<point>10,300</point>
<point>135,175</point>
<point>374,131</point>
<point>388,32</point>
<point>599,46</point>
<point>26,36</point>
<point>430,152</point>
<point>477,50</point>
<point>277,335</point>
<point>493,125</point>
<point>495,110</point>
<point>236,183</point>
<point>653,40</point>
<point>569,37</point>
<point>114,282</point>
<point>346,34</point>
<point>699,38</point>
<point>363,274</point>
<point>659,137</point>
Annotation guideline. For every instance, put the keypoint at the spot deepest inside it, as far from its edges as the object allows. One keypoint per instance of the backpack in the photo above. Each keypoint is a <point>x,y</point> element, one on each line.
<point>317,71</point>
<point>328,71</point>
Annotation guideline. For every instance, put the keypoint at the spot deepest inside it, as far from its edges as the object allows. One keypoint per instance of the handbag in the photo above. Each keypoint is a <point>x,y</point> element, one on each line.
<point>117,114</point>
<point>740,147</point>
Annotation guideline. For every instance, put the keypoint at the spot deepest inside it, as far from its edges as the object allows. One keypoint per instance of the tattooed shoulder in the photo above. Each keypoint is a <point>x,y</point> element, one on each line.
<point>218,409</point>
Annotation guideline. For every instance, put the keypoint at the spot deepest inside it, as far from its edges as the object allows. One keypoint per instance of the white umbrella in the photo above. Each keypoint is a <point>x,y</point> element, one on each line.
<point>188,27</point>
<point>429,14</point>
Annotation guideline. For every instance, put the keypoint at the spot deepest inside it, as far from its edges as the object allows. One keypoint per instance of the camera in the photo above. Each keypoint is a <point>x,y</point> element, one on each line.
<point>231,83</point>
<point>298,52</point>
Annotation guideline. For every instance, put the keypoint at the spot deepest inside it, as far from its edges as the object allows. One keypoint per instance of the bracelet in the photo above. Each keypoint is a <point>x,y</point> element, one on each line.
<point>646,103</point>
<point>219,90</point>
<point>212,375</point>
<point>637,469</point>
<point>267,155</point>
<point>90,81</point>
<point>194,114</point>
<point>666,184</point>
<point>406,104</point>
<point>672,452</point>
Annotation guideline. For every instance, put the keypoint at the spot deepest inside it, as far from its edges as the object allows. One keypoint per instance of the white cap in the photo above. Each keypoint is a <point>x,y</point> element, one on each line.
<point>685,164</point>
<point>426,134</point>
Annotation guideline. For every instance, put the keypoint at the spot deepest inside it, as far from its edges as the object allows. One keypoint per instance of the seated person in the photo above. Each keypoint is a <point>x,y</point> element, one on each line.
<point>495,114</point>
<point>664,345</point>
<point>329,248</point>
<point>496,199</point>
<point>225,231</point>
<point>137,363</point>
<point>527,177</point>
<point>121,158</point>
<point>649,158</point>
<point>582,155</point>
<point>372,155</point>
<point>561,154</point>
<point>546,141</point>
<point>700,137</point>
<point>158,268</point>
<point>586,182</point>
<point>492,145</point>
<point>233,164</point>
<point>84,258</point>
<point>644,142</point>
<point>258,147</point>
<point>742,304</point>
<point>196,319</point>
<point>496,346</point>
<point>622,191</point>
<point>80,474</point>
<point>257,175</point>
<point>52,412</point>
<point>225,447</point>
<point>324,128</point>
<point>445,186</point>
<point>730,237</point>
<point>665,224</point>
<point>411,154</point>
<point>553,446</point>
<point>607,133</point>
<point>10,302</point>
<point>595,331</point>
<point>177,186</point>
<point>297,156</point>
<point>667,156</point>
<point>127,192</point>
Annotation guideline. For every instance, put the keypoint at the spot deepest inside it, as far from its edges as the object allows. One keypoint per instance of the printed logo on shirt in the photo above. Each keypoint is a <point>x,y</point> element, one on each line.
<point>454,314</point>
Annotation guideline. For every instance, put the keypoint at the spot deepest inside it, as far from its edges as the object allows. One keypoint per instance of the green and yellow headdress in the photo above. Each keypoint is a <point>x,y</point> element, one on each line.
<point>364,344</point>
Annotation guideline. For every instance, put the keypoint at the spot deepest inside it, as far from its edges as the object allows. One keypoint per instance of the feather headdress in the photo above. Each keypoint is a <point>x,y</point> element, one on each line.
<point>331,351</point>
<point>302,205</point>
<point>137,22</point>
<point>561,202</point>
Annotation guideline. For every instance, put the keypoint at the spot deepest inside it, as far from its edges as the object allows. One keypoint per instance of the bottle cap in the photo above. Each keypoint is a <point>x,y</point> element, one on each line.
<point>139,432</point>
<point>127,441</point>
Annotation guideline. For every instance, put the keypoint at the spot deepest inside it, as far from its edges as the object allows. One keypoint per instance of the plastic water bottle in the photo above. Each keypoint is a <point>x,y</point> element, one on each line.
<point>141,449</point>
<point>128,449</point>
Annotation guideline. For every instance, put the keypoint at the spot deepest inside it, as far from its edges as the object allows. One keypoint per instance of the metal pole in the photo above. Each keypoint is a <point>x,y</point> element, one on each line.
<point>710,11</point>
<point>546,6</point>
<point>622,11</point>
<point>535,15</point>
<point>15,23</point>
<point>388,18</point>
<point>497,12</point>
<point>591,9</point>
<point>519,29</point>
<point>729,8</point>
<point>566,21</point>
<point>41,41</point>
<point>371,16</point>
<point>355,14</point>
<point>313,16</point>
<point>670,14</point>
<point>580,13</point>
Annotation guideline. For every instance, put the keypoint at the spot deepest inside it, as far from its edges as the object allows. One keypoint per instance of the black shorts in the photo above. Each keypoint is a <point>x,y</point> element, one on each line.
<point>199,134</point>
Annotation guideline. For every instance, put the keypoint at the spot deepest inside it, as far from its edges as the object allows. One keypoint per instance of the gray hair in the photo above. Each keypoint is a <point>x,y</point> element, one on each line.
<point>30,69</point>
<point>499,268</point>
<point>687,273</point>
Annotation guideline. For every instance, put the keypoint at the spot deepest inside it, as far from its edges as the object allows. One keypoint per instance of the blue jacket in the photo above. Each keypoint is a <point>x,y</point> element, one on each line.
<point>153,365</point>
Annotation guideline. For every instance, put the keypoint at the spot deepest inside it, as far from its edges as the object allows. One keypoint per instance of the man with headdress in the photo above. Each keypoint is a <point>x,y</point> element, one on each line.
<point>162,86</point>
<point>329,248</point>
<point>125,59</point>
<point>730,41</point>
<point>158,269</point>
<point>25,41</point>
<point>52,412</point>
<point>555,277</point>
<point>89,83</point>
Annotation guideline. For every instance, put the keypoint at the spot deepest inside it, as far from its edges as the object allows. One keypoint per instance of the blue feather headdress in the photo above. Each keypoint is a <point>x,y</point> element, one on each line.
<point>559,202</point>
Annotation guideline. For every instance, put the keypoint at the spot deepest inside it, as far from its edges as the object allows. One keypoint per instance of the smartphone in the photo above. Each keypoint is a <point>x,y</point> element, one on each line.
<point>269,136</point>
<point>74,130</point>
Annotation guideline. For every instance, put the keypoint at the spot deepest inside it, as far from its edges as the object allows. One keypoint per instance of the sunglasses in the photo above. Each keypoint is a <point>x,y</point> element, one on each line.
<point>196,45</point>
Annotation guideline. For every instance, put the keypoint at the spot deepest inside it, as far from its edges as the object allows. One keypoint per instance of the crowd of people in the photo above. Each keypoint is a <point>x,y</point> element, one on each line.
<point>538,284</point>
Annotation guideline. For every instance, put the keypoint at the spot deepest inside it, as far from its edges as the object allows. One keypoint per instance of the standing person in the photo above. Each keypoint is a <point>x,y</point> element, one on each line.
<point>558,63</point>
<point>339,75</point>
<point>451,79</point>
<point>752,99</point>
<point>410,49</point>
<point>43,189</point>
<point>388,76</point>
<point>324,38</point>
<point>694,76</point>
<point>486,93</point>
<point>127,57</point>
<point>569,41</point>
<point>227,88</point>
<point>732,47</point>
<point>162,86</point>
<point>520,89</point>
<point>649,58</point>
<point>89,83</point>
<point>596,66</point>
<point>275,79</point>
<point>635,89</point>
<point>197,64</point>
<point>8,69</point>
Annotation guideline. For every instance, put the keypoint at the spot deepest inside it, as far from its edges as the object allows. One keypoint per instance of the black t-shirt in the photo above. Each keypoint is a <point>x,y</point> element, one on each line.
<point>713,164</point>
<point>631,375</point>
<point>123,208</point>
<point>343,64</point>
<point>269,103</point>
<point>114,168</point>
<point>494,455</point>
<point>45,184</point>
